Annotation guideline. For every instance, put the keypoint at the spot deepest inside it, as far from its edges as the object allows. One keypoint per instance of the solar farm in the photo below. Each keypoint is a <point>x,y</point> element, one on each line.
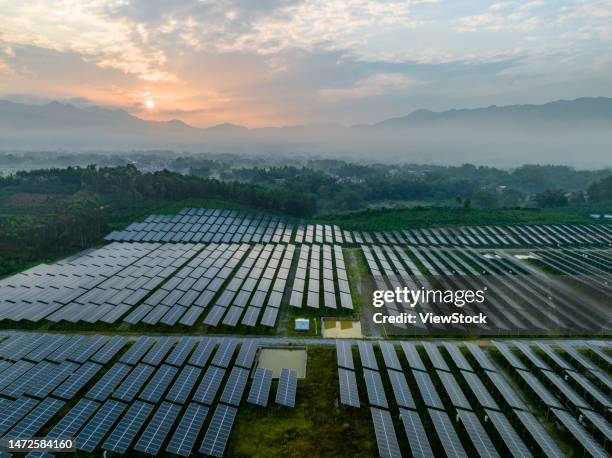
<point>185,396</point>
<point>152,343</point>
<point>225,271</point>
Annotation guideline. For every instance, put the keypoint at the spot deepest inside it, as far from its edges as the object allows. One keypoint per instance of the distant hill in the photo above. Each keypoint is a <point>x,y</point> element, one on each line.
<point>584,110</point>
<point>576,132</point>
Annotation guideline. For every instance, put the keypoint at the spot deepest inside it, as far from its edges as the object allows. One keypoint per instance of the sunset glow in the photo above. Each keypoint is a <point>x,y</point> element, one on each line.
<point>284,63</point>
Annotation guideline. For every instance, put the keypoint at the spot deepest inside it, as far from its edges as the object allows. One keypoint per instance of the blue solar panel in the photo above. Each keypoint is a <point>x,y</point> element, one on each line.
<point>4,365</point>
<point>46,348</point>
<point>64,352</point>
<point>481,357</point>
<point>479,437</point>
<point>246,355</point>
<point>435,356</point>
<point>4,403</point>
<point>106,385</point>
<point>455,353</point>
<point>19,386</point>
<point>482,394</point>
<point>157,386</point>
<point>132,384</point>
<point>580,433</point>
<point>88,348</point>
<point>510,437</point>
<point>386,439</point>
<point>589,387</point>
<point>15,412</point>
<point>507,392</point>
<point>453,390</point>
<point>349,395</point>
<point>183,385</point>
<point>43,387</point>
<point>344,354</point>
<point>366,352</point>
<point>539,434</point>
<point>417,438</point>
<point>374,386</point>
<point>427,390</point>
<point>224,353</point>
<point>202,353</point>
<point>77,380</point>
<point>413,357</point>
<point>158,428</point>
<point>187,431</point>
<point>390,355</point>
<point>14,372</point>
<point>447,434</point>
<point>91,435</point>
<point>539,389</point>
<point>401,391</point>
<point>73,420</point>
<point>260,388</point>
<point>209,385</point>
<point>36,419</point>
<point>287,387</point>
<point>159,351</point>
<point>234,388</point>
<point>137,351</point>
<point>218,431</point>
<point>125,432</point>
<point>181,352</point>
<point>108,351</point>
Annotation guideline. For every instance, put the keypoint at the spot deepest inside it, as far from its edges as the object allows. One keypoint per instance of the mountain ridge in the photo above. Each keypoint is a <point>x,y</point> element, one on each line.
<point>601,106</point>
<point>575,131</point>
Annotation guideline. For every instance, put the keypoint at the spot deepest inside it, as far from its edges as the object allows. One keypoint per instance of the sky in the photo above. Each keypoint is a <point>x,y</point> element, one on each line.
<point>285,62</point>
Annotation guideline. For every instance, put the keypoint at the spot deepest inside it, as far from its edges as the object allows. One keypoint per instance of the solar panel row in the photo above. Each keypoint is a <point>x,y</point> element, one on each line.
<point>287,388</point>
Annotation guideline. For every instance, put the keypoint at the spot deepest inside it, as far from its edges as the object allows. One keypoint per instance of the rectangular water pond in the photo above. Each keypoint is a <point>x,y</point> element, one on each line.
<point>276,358</point>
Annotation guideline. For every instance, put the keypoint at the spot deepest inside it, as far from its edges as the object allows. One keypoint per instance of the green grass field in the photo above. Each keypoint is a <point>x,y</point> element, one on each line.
<point>317,426</point>
<point>404,218</point>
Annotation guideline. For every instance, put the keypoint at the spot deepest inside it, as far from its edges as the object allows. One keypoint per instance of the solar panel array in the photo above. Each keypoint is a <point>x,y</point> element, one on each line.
<point>167,285</point>
<point>182,394</point>
<point>320,278</point>
<point>207,226</point>
<point>567,384</point>
<point>520,299</point>
<point>236,269</point>
<point>461,395</point>
<point>150,394</point>
<point>229,226</point>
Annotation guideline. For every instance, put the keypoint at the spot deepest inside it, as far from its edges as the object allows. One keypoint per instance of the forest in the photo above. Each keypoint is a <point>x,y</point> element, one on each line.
<point>49,212</point>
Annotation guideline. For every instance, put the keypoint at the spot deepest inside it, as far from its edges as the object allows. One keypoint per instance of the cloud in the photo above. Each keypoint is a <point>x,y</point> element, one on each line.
<point>378,84</point>
<point>532,14</point>
<point>294,61</point>
<point>81,27</point>
<point>504,16</point>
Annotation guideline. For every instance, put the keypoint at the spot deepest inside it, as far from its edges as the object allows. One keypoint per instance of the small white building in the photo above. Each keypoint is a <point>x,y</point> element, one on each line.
<point>302,324</point>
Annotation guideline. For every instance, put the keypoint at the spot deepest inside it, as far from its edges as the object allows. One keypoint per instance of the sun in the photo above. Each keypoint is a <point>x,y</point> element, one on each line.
<point>150,104</point>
